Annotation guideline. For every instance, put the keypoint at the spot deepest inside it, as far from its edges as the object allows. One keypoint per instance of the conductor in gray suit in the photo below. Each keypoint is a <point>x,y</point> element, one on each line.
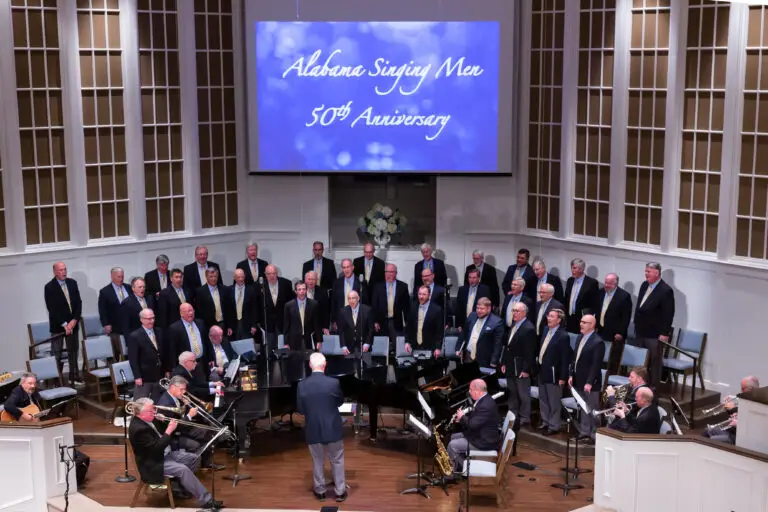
<point>318,399</point>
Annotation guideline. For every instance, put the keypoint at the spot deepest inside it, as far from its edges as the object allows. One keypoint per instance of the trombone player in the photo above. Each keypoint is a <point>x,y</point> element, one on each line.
<point>155,458</point>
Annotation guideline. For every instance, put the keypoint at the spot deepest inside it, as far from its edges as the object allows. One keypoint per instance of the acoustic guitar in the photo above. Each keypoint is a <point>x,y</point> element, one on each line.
<point>32,409</point>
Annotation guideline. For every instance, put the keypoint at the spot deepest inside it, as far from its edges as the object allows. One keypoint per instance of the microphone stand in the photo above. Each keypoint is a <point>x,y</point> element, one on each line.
<point>446,299</point>
<point>265,342</point>
<point>679,410</point>
<point>125,477</point>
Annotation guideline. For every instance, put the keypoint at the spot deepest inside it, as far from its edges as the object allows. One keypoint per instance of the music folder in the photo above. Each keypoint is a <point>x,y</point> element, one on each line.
<point>579,400</point>
<point>425,406</point>
<point>419,426</point>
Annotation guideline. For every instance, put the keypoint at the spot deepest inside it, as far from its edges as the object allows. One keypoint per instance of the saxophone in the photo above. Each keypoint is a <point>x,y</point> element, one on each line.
<point>442,459</point>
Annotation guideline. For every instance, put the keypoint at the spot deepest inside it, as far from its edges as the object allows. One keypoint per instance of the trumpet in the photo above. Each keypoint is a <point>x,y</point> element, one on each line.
<point>720,427</point>
<point>721,407</point>
<point>130,408</point>
<point>611,411</point>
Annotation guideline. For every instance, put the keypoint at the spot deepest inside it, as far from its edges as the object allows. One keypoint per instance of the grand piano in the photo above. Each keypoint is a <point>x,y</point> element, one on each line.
<point>444,391</point>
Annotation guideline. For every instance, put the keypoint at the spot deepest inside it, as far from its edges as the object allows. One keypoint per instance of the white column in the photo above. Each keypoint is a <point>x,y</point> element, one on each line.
<point>520,223</point>
<point>570,111</point>
<point>189,131</point>
<point>241,118</point>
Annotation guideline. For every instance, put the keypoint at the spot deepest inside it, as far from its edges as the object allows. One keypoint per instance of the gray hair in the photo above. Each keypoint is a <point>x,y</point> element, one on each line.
<point>27,375</point>
<point>522,305</point>
<point>614,274</point>
<point>162,258</point>
<point>115,270</point>
<point>317,361</point>
<point>521,282</point>
<point>390,264</point>
<point>346,259</point>
<point>178,380</point>
<point>143,403</point>
<point>540,262</point>
<point>184,356</point>
<point>135,279</point>
<point>654,265</point>
<point>479,385</point>
<point>252,244</point>
<point>425,245</point>
<point>308,273</point>
<point>213,329</point>
<point>479,253</point>
<point>546,287</point>
<point>579,263</point>
<point>143,313</point>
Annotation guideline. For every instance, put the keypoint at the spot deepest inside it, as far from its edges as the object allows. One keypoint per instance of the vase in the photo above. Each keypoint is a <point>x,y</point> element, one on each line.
<point>382,241</point>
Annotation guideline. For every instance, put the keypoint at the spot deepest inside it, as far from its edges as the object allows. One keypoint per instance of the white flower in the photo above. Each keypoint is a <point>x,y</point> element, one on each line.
<point>377,207</point>
<point>370,214</point>
<point>361,222</point>
<point>391,228</point>
<point>381,224</point>
<point>386,211</point>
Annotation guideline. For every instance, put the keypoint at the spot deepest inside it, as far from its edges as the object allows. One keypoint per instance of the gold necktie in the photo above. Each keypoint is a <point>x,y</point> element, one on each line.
<point>162,281</point>
<point>476,330</point>
<point>471,300</point>
<point>153,339</point>
<point>574,296</point>
<point>217,304</point>
<point>346,292</point>
<point>239,303</point>
<point>66,295</point>
<point>538,319</point>
<point>195,341</point>
<point>354,317</point>
<point>319,270</point>
<point>180,293</point>
<point>273,292</point>
<point>390,300</point>
<point>143,303</point>
<point>301,315</point>
<point>311,294</point>
<point>419,336</point>
<point>545,345</point>
<point>645,297</point>
<point>581,347</point>
<point>538,287</point>
<point>368,266</point>
<point>254,273</point>
<point>512,333</point>
<point>517,272</point>
<point>606,302</point>
<point>120,293</point>
<point>219,356</point>
<point>201,272</point>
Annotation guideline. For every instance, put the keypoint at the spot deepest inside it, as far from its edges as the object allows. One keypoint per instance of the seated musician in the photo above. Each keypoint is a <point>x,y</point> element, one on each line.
<point>424,330</point>
<point>192,372</point>
<point>642,419</point>
<point>638,378</point>
<point>221,354</point>
<point>155,458</point>
<point>22,397</point>
<point>727,433</point>
<point>481,426</point>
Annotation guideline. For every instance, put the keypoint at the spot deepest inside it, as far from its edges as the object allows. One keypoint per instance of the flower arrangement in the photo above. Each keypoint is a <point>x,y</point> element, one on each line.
<point>381,223</point>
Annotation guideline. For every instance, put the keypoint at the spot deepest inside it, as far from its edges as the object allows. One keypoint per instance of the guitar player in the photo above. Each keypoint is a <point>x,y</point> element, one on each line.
<point>24,401</point>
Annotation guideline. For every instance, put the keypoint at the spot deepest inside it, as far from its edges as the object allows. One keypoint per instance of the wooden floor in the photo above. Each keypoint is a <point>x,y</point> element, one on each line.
<point>281,468</point>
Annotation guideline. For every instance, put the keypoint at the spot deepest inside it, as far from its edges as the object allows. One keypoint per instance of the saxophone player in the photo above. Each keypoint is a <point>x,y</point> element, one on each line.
<point>481,426</point>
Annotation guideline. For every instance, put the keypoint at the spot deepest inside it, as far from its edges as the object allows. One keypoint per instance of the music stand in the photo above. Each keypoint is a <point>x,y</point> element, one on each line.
<point>421,431</point>
<point>583,409</point>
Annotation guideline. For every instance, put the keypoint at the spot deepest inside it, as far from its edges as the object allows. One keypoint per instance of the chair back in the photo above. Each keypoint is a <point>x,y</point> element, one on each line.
<point>400,347</point>
<point>92,326</point>
<point>123,347</point>
<point>607,355</point>
<point>634,356</point>
<point>116,373</point>
<point>280,341</point>
<point>331,345</point>
<point>603,376</point>
<point>380,346</point>
<point>39,331</point>
<point>691,341</point>
<point>662,412</point>
<point>45,368</point>
<point>242,346</point>
<point>509,419</point>
<point>665,428</point>
<point>573,338</point>
<point>504,453</point>
<point>631,334</point>
<point>97,348</point>
<point>449,345</point>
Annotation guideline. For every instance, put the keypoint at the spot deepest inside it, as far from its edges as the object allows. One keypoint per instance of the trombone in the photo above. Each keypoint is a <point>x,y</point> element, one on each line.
<point>203,408</point>
<point>721,407</point>
<point>130,408</point>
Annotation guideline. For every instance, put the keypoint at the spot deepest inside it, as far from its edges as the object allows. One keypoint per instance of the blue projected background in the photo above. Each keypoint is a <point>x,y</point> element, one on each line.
<point>377,96</point>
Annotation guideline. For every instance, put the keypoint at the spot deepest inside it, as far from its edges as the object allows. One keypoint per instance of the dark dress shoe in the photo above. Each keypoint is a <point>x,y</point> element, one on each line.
<point>213,505</point>
<point>547,432</point>
<point>319,495</point>
<point>542,427</point>
<point>181,494</point>
<point>215,467</point>
<point>343,497</point>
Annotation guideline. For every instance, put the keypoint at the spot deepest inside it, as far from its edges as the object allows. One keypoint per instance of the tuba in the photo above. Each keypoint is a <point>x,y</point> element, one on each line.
<point>442,459</point>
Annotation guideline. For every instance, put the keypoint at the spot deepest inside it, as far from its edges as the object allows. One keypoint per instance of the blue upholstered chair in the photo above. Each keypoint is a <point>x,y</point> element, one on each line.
<point>39,331</point>
<point>95,352</point>
<point>121,375</point>
<point>52,388</point>
<point>632,356</point>
<point>689,353</point>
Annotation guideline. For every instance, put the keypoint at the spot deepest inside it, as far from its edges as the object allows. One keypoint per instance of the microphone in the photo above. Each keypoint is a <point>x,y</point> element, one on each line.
<point>122,376</point>
<point>261,280</point>
<point>361,277</point>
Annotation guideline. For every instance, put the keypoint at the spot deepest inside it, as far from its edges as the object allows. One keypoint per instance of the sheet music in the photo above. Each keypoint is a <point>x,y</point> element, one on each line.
<point>580,401</point>
<point>347,408</point>
<point>414,422</point>
<point>425,406</point>
<point>232,369</point>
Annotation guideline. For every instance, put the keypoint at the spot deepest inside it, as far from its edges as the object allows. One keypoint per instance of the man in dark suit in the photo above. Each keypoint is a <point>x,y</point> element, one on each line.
<point>301,328</point>
<point>355,326</point>
<point>188,334</point>
<point>323,267</point>
<point>318,398</point>
<point>194,273</point>
<point>517,294</point>
<point>638,377</point>
<point>481,426</point>
<point>425,329</point>
<point>437,295</point>
<point>132,306</point>
<point>467,297</point>
<point>372,268</point>
<point>242,306</point>
<point>319,295</point>
<point>581,296</point>
<point>212,301</point>
<point>154,458</point>
<point>62,299</point>
<point>170,300</point>
<point>613,318</point>
<point>554,359</point>
<point>487,276</point>
<point>521,269</point>
<point>518,362</point>
<point>252,266</point>
<point>654,314</point>
<point>344,284</point>
<point>195,375</point>
<point>110,299</point>
<point>543,277</point>
<point>482,338</point>
<point>586,378</point>
<point>544,306</point>
<point>221,354</point>
<point>276,292</point>
<point>157,280</point>
<point>149,356</point>
<point>644,417</point>
<point>23,395</point>
<point>391,306</point>
<point>428,262</point>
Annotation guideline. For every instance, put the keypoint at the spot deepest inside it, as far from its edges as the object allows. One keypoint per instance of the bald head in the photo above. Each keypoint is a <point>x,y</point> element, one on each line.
<point>588,323</point>
<point>644,397</point>
<point>187,312</point>
<point>749,383</point>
